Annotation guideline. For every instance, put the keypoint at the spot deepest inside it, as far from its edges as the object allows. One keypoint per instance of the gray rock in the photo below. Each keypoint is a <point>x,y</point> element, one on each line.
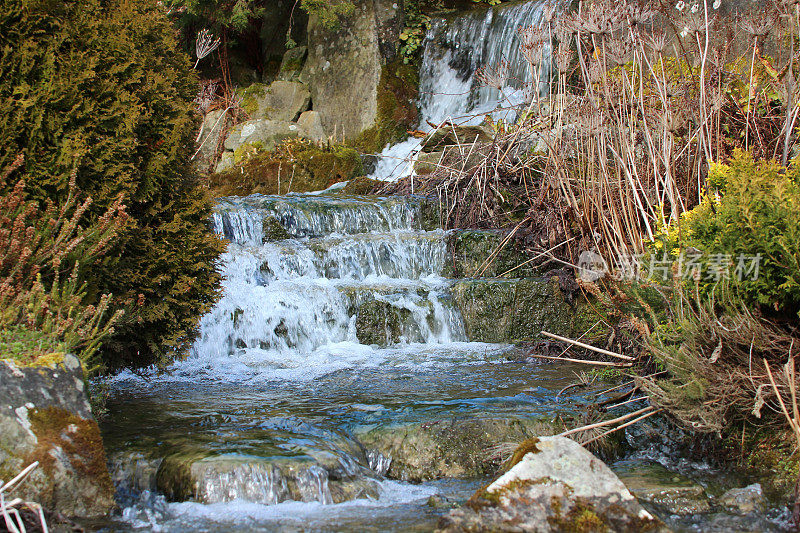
<point>45,416</point>
<point>226,162</point>
<point>260,134</point>
<point>343,70</point>
<point>557,486</point>
<point>280,101</point>
<point>310,125</point>
<point>214,124</point>
<point>467,251</point>
<point>745,500</point>
<point>292,64</point>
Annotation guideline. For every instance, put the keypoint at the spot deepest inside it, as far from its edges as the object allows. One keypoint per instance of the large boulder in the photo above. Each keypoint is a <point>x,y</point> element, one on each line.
<point>344,66</point>
<point>259,135</point>
<point>310,125</point>
<point>556,486</point>
<point>45,417</point>
<point>279,101</point>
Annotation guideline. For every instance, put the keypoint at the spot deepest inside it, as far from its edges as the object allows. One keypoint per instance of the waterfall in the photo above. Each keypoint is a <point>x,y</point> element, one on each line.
<point>454,49</point>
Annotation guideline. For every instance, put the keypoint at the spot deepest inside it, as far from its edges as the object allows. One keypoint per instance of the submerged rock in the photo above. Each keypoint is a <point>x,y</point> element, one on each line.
<point>45,417</point>
<point>670,491</point>
<point>219,479</point>
<point>557,486</point>
<point>449,447</point>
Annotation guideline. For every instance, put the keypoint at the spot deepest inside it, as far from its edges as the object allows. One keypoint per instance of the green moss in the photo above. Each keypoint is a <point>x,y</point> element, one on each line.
<point>581,518</point>
<point>380,323</point>
<point>294,166</point>
<point>362,186</point>
<point>273,230</point>
<point>78,438</point>
<point>527,446</point>
<point>249,97</point>
<point>398,90</point>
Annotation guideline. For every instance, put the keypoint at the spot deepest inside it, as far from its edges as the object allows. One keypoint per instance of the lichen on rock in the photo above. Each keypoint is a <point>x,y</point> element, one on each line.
<point>46,417</point>
<point>559,486</point>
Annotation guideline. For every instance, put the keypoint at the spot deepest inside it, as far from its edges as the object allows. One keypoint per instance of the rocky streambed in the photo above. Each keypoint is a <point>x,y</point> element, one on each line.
<point>350,380</point>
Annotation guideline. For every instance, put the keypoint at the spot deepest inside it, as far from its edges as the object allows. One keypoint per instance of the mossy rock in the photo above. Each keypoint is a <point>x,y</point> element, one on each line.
<point>361,186</point>
<point>398,91</point>
<point>273,230</point>
<point>294,166</point>
<point>45,417</point>
<point>514,310</point>
<point>437,140</point>
<point>468,253</point>
<point>380,323</point>
<point>557,486</point>
<point>447,448</point>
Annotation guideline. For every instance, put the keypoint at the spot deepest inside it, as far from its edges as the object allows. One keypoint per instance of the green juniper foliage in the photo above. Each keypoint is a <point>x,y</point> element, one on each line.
<point>102,87</point>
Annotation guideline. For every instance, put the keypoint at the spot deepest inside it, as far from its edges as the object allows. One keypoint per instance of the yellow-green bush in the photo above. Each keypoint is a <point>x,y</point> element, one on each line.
<point>102,88</point>
<point>750,209</point>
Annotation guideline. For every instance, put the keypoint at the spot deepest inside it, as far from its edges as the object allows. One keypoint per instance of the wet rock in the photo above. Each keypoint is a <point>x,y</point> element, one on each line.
<point>310,125</point>
<point>259,135</point>
<point>450,447</point>
<point>281,101</point>
<point>45,416</point>
<point>745,500</point>
<point>670,491</point>
<point>468,251</point>
<point>513,310</point>
<point>343,70</point>
<point>133,471</point>
<point>557,486</point>
<point>381,323</point>
<point>273,230</point>
<point>219,479</point>
<point>292,64</point>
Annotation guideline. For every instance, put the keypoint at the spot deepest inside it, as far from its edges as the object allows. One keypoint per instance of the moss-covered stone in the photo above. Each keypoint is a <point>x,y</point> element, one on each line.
<point>558,487</point>
<point>445,448</point>
<point>294,166</point>
<point>514,310</point>
<point>469,254</point>
<point>380,323</point>
<point>273,230</point>
<point>361,186</point>
<point>398,90</point>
